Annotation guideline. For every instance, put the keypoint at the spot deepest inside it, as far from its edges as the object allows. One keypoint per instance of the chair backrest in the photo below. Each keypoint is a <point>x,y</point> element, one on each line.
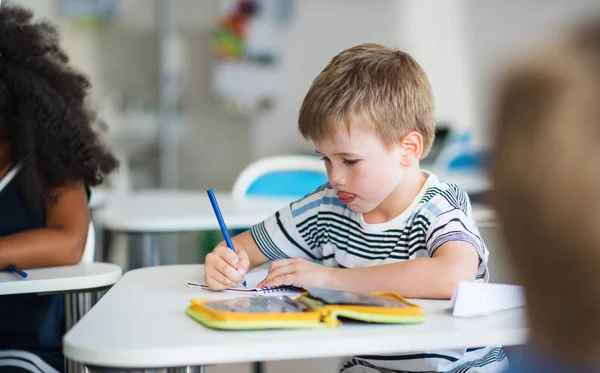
<point>90,245</point>
<point>286,176</point>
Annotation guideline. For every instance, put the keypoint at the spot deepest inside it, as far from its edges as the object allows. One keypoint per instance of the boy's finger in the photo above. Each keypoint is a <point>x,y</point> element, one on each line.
<point>228,271</point>
<point>283,279</point>
<point>216,281</point>
<point>244,262</point>
<point>228,255</point>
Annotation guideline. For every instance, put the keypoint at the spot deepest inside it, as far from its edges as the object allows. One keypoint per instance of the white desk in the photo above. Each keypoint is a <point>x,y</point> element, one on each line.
<point>165,211</point>
<point>83,276</point>
<point>144,214</point>
<point>162,211</point>
<point>82,284</point>
<point>141,323</point>
<point>98,198</point>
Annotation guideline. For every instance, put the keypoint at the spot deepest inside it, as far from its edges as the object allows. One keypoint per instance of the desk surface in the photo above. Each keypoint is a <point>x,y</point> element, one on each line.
<point>180,211</point>
<point>141,323</point>
<point>155,211</point>
<point>81,276</point>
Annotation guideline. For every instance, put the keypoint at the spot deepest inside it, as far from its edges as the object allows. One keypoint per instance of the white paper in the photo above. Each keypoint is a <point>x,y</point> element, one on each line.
<point>478,298</point>
<point>253,278</point>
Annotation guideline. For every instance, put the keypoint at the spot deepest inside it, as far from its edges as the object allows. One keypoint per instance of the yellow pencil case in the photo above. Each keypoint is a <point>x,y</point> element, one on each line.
<point>316,308</point>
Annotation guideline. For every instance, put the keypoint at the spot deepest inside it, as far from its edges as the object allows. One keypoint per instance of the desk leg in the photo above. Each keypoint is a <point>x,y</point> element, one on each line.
<point>194,369</point>
<point>143,250</point>
<point>187,370</point>
<point>77,305</point>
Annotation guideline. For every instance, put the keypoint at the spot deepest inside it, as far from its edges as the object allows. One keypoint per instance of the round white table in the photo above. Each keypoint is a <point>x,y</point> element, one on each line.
<point>149,329</point>
<point>79,277</point>
<point>83,284</point>
<point>145,214</point>
<point>98,197</point>
<point>165,211</point>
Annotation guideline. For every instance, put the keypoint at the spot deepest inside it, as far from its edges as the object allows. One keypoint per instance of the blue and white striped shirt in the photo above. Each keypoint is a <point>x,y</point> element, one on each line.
<point>320,227</point>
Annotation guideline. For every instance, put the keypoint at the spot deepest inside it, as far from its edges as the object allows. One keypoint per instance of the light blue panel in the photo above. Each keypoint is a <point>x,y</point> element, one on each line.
<point>286,184</point>
<point>469,161</point>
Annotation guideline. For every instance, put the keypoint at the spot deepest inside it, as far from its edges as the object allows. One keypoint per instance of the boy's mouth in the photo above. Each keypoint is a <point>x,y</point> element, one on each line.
<point>346,198</point>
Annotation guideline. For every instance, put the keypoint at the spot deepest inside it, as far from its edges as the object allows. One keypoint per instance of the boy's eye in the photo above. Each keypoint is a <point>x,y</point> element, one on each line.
<point>325,159</point>
<point>350,161</point>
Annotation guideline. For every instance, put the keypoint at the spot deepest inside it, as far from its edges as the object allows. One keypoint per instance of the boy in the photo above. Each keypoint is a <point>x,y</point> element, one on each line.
<point>547,195</point>
<point>381,223</point>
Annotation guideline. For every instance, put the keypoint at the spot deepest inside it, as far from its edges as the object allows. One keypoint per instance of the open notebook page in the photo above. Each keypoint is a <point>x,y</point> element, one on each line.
<point>252,280</point>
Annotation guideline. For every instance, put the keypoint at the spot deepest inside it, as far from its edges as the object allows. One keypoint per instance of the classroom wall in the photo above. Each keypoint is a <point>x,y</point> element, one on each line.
<point>497,31</point>
<point>462,44</point>
<point>431,31</point>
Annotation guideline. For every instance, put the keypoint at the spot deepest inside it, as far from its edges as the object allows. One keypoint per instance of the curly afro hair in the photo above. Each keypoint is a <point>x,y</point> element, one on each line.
<point>43,111</point>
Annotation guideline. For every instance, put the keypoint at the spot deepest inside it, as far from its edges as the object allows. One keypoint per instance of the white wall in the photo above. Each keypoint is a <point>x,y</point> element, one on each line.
<point>462,44</point>
<point>500,30</point>
<point>319,30</point>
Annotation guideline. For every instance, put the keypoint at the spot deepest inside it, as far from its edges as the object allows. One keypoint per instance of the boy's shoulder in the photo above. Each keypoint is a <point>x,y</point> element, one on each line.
<point>440,197</point>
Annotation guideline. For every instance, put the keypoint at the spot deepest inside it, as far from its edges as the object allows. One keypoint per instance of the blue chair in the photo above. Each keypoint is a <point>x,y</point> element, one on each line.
<point>286,176</point>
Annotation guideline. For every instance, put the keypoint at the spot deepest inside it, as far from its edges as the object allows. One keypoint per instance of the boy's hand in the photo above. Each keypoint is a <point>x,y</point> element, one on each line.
<point>298,272</point>
<point>224,268</point>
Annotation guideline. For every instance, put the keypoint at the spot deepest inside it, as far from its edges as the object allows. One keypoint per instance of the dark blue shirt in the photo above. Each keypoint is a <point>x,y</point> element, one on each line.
<point>34,323</point>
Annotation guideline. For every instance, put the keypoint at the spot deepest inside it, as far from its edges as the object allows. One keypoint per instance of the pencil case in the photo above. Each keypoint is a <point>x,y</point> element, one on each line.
<point>316,308</point>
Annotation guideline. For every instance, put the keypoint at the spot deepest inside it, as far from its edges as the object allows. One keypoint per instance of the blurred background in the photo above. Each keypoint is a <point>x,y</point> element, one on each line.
<point>221,110</point>
<point>192,92</point>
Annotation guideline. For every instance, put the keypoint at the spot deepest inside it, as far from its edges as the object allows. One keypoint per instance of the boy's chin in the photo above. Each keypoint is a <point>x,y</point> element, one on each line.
<point>360,209</point>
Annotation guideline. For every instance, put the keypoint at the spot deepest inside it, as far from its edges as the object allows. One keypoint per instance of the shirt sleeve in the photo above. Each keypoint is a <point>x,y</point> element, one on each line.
<point>292,231</point>
<point>457,224</point>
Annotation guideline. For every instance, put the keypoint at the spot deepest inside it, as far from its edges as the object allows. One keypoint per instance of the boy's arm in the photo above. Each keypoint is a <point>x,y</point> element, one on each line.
<point>60,242</point>
<point>435,277</point>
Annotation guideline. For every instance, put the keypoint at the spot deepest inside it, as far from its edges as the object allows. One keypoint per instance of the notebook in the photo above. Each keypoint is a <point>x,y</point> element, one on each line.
<point>478,298</point>
<point>253,278</point>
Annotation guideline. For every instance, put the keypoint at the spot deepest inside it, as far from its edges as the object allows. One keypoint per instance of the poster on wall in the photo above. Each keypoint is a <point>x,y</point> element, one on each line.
<point>88,14</point>
<point>247,45</point>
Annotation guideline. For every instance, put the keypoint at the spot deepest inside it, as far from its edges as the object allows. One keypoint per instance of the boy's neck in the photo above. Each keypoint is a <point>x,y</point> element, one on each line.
<point>400,198</point>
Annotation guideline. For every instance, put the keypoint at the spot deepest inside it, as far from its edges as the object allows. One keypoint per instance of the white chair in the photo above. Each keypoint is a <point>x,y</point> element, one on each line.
<point>285,176</point>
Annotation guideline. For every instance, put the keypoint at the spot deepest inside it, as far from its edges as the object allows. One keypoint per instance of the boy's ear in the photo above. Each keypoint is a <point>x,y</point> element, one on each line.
<point>412,143</point>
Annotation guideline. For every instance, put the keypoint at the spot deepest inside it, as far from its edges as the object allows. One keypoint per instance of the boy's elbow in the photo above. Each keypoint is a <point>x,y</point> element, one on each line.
<point>456,274</point>
<point>447,290</point>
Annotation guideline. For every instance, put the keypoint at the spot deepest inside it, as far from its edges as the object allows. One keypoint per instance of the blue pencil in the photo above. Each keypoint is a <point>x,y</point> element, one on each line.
<point>17,271</point>
<point>215,205</point>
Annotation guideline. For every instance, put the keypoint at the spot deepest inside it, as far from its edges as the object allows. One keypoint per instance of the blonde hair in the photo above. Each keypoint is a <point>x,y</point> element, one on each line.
<point>385,86</point>
<point>546,176</point>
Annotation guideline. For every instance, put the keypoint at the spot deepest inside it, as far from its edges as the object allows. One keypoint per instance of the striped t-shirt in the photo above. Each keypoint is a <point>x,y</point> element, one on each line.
<point>320,227</point>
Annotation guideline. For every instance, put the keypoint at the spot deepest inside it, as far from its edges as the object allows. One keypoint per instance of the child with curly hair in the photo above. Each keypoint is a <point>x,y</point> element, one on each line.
<point>49,156</point>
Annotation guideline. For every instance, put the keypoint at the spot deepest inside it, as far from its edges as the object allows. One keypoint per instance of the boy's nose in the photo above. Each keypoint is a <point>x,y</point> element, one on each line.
<point>337,178</point>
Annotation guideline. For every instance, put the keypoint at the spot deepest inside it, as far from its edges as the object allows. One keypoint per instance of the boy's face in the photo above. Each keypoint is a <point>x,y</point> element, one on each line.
<point>360,168</point>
